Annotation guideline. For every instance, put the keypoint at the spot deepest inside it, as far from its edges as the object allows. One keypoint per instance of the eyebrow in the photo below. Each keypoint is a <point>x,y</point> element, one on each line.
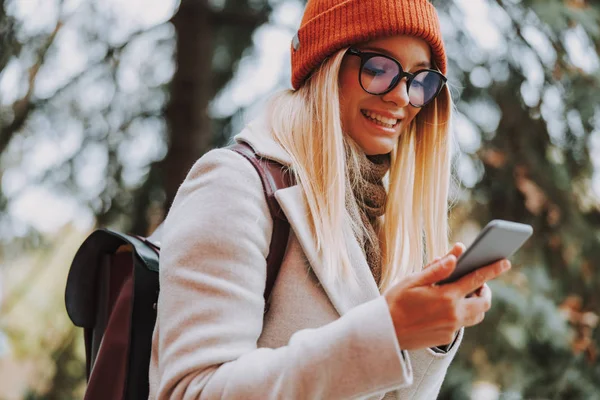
<point>423,64</point>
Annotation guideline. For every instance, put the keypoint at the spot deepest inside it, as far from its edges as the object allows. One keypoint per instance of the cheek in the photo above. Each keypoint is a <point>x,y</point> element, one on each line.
<point>347,101</point>
<point>345,78</point>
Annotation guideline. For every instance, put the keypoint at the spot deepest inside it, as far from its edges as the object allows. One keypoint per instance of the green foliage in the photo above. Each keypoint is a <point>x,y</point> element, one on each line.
<point>540,340</point>
<point>106,127</point>
<point>535,108</point>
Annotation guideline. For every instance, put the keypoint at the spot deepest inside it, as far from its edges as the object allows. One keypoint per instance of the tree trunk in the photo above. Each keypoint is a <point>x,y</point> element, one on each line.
<point>191,90</point>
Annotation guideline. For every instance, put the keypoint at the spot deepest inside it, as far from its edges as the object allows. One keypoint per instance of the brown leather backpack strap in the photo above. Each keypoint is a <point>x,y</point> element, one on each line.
<point>274,177</point>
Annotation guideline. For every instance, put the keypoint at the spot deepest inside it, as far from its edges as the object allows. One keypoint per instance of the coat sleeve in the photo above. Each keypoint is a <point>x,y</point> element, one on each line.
<point>430,367</point>
<point>210,311</point>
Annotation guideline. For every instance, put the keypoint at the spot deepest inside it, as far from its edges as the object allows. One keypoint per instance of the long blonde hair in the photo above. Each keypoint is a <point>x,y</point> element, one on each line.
<point>414,228</point>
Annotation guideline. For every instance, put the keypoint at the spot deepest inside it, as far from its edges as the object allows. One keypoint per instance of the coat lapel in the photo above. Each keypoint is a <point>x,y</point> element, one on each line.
<point>344,296</point>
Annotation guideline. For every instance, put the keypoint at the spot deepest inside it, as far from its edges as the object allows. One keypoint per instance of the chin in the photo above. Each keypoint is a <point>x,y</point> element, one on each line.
<point>373,149</point>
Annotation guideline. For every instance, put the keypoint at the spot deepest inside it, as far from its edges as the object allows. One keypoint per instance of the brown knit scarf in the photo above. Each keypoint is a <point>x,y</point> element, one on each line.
<point>370,196</point>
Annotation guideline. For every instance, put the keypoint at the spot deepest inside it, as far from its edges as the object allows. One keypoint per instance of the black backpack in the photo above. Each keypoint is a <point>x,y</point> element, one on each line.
<point>112,291</point>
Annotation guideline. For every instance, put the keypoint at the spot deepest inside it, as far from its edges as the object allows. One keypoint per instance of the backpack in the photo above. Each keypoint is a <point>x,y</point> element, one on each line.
<point>112,292</point>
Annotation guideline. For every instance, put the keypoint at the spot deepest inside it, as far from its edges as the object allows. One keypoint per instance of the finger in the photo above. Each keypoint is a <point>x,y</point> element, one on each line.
<point>484,291</point>
<point>479,292</point>
<point>477,304</point>
<point>457,249</point>
<point>472,281</point>
<point>435,272</point>
<point>434,261</point>
<point>474,310</point>
<point>475,320</point>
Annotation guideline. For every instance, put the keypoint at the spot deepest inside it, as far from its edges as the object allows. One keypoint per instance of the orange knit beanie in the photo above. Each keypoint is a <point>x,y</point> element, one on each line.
<point>330,25</point>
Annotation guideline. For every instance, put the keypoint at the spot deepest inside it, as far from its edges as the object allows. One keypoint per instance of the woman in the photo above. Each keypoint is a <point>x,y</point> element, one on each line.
<point>369,105</point>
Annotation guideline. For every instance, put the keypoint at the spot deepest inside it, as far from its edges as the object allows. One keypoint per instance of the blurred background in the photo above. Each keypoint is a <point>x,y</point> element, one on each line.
<point>106,104</point>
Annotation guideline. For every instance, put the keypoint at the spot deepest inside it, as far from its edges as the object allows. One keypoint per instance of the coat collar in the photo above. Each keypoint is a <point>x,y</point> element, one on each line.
<point>258,135</point>
<point>343,295</point>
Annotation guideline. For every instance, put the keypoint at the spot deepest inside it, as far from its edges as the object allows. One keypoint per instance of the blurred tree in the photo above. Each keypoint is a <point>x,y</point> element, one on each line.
<point>125,114</point>
<point>8,43</point>
<point>210,41</point>
<point>114,108</point>
<point>533,101</point>
<point>162,101</point>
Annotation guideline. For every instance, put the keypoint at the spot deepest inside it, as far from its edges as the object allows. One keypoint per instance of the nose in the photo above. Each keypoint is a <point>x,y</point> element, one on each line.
<point>398,95</point>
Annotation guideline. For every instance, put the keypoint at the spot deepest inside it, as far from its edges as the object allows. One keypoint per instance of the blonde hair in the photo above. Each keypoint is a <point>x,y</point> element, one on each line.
<point>414,228</point>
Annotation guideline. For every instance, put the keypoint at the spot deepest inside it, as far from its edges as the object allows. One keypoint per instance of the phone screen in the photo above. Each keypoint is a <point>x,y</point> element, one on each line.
<point>499,239</point>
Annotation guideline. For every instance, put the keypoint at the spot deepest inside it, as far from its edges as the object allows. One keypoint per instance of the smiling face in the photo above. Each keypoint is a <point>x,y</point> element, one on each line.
<point>375,122</point>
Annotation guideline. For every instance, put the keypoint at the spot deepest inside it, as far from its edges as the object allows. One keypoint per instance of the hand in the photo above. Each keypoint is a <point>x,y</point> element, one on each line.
<point>483,292</point>
<point>428,315</point>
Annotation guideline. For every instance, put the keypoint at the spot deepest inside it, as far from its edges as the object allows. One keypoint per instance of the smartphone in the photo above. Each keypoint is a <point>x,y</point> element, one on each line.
<point>499,239</point>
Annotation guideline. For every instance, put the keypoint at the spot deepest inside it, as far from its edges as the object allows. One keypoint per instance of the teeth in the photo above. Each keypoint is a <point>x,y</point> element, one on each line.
<point>381,118</point>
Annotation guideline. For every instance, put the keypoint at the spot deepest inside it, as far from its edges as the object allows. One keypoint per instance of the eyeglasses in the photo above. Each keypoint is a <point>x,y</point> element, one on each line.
<point>379,74</point>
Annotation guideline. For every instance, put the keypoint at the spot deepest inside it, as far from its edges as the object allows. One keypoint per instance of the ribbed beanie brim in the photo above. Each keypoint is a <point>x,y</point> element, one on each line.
<point>330,25</point>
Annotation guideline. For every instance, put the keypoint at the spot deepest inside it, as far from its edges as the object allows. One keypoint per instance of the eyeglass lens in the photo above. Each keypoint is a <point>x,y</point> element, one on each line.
<point>378,74</point>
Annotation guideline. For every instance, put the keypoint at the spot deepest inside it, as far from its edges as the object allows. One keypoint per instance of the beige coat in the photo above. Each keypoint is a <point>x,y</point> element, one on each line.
<point>319,340</point>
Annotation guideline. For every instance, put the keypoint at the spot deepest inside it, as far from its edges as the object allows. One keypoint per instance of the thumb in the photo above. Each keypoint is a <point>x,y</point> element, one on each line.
<point>435,272</point>
<point>458,249</point>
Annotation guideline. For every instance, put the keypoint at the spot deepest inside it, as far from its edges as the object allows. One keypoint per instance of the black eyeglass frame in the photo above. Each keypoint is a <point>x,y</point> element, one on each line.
<point>365,56</point>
